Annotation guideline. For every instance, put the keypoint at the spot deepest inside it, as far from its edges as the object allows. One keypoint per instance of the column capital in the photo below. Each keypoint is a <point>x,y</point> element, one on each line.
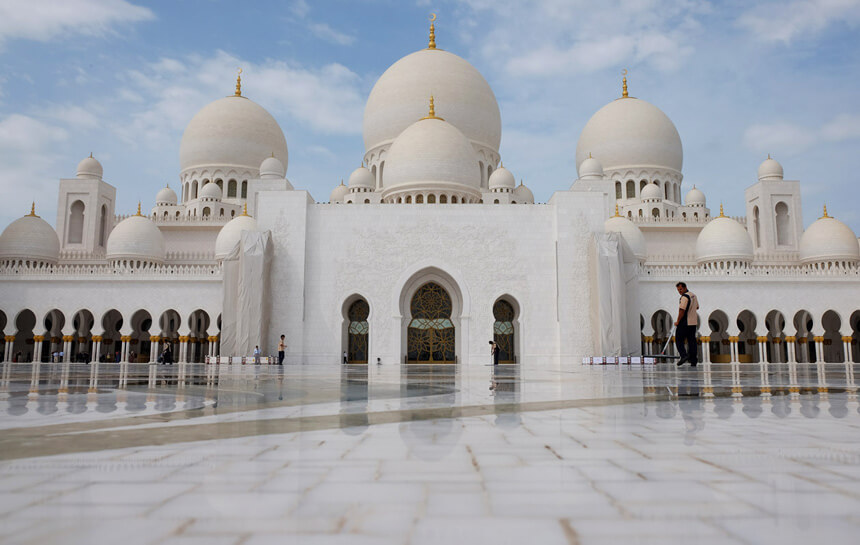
<point>818,339</point>
<point>125,338</point>
<point>649,339</point>
<point>214,338</point>
<point>705,339</point>
<point>847,338</point>
<point>68,338</point>
<point>38,338</point>
<point>154,338</point>
<point>761,339</point>
<point>734,339</point>
<point>790,339</point>
<point>183,338</point>
<point>97,338</point>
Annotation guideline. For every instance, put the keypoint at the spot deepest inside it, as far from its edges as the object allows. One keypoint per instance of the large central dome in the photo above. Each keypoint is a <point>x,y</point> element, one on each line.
<point>629,132</point>
<point>400,97</point>
<point>231,131</point>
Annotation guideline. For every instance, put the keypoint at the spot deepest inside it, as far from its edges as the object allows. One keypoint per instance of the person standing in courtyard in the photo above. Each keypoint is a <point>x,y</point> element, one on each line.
<point>494,351</point>
<point>345,357</point>
<point>256,355</point>
<point>282,347</point>
<point>685,326</point>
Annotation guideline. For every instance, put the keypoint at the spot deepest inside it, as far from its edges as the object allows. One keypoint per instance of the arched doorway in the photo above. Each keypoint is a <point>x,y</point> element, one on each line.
<point>357,333</point>
<point>430,334</point>
<point>503,331</point>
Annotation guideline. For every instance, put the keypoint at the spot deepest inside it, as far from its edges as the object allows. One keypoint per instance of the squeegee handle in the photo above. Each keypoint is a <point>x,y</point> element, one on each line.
<point>665,346</point>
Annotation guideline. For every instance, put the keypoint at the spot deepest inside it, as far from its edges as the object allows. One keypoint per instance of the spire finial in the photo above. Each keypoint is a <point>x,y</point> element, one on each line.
<point>589,155</point>
<point>91,155</point>
<point>138,208</point>
<point>768,156</point>
<point>617,215</point>
<point>273,155</point>
<point>432,44</point>
<point>624,84</point>
<point>722,215</point>
<point>239,83</point>
<point>825,213</point>
<point>432,111</point>
<point>245,209</point>
<point>32,213</point>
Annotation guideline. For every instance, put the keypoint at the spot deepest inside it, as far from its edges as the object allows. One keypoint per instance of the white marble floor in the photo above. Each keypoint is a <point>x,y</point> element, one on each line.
<point>418,455</point>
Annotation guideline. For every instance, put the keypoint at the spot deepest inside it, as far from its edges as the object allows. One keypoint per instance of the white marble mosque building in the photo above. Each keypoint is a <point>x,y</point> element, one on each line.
<point>430,250</point>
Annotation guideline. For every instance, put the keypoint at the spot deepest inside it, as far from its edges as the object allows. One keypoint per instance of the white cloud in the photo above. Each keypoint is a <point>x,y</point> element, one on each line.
<point>325,32</point>
<point>20,133</point>
<point>43,21</point>
<point>783,22</point>
<point>842,127</point>
<point>788,138</point>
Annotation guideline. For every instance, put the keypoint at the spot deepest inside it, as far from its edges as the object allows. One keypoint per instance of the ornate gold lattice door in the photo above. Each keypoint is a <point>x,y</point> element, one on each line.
<point>430,335</point>
<point>358,329</point>
<point>503,331</point>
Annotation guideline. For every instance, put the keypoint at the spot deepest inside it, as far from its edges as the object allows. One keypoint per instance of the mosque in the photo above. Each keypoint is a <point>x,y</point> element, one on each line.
<point>430,250</point>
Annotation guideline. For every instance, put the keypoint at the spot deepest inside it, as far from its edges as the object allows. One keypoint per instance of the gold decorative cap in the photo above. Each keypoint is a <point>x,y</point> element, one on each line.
<point>624,84</point>
<point>825,213</point>
<point>432,44</point>
<point>432,113</point>
<point>238,92</point>
<point>617,215</point>
<point>138,209</point>
<point>244,210</point>
<point>32,213</point>
<point>721,211</point>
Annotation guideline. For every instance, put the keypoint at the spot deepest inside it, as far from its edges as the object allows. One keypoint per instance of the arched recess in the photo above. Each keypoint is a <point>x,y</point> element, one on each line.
<point>631,189</point>
<point>53,322</point>
<point>111,343</point>
<point>854,322</point>
<point>355,329</point>
<point>83,322</point>
<point>718,323</point>
<point>756,227</point>
<point>618,190</point>
<point>832,324</point>
<point>430,316</point>
<point>506,328</point>
<point>103,226</point>
<point>783,224</point>
<point>805,344</point>
<point>747,343</point>
<point>168,327</point>
<point>25,323</point>
<point>198,327</point>
<point>774,322</point>
<point>231,189</point>
<point>662,323</point>
<point>76,223</point>
<point>141,325</point>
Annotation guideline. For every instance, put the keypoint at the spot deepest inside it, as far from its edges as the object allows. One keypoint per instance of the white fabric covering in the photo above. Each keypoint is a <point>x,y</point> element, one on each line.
<point>246,308</point>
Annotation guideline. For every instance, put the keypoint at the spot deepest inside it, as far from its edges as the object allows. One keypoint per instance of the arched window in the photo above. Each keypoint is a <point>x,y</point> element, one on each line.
<point>103,226</point>
<point>194,189</point>
<point>495,201</point>
<point>431,199</point>
<point>655,212</point>
<point>232,213</point>
<point>373,171</point>
<point>642,184</point>
<point>443,199</point>
<point>481,172</point>
<point>419,199</point>
<point>220,183</point>
<point>358,332</point>
<point>640,212</point>
<point>231,189</point>
<point>366,201</point>
<point>503,331</point>
<point>631,189</point>
<point>76,223</point>
<point>756,228</point>
<point>206,211</point>
<point>408,199</point>
<point>618,190</point>
<point>783,229</point>
<point>244,189</point>
<point>454,199</point>
<point>430,335</point>
<point>666,189</point>
<point>381,174</point>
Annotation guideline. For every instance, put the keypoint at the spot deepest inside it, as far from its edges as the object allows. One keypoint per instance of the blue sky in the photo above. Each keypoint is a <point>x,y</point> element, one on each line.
<point>122,78</point>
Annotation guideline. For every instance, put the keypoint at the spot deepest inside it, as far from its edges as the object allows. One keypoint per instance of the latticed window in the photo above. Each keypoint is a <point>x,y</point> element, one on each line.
<point>358,330</point>
<point>503,330</point>
<point>430,335</point>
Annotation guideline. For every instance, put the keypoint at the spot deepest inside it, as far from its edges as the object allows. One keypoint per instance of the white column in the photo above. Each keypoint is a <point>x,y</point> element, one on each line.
<point>791,349</point>
<point>183,345</point>
<point>847,348</point>
<point>123,350</point>
<point>733,345</point>
<point>706,349</point>
<point>153,348</point>
<point>97,348</point>
<point>819,348</point>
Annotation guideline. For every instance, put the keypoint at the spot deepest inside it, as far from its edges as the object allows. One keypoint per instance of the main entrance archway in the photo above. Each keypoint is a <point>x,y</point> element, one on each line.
<point>430,336</point>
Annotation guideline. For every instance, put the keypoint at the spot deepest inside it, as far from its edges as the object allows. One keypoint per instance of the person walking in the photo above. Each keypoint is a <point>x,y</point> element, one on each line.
<point>256,355</point>
<point>494,350</point>
<point>685,326</point>
<point>282,347</point>
<point>167,355</point>
<point>344,357</point>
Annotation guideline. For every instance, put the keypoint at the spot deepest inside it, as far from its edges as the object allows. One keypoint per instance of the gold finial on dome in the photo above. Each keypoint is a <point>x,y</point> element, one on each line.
<point>244,210</point>
<point>825,213</point>
<point>239,83</point>
<point>722,215</point>
<point>589,155</point>
<point>617,215</point>
<point>91,155</point>
<point>32,213</point>
<point>432,113</point>
<point>624,84</point>
<point>432,44</point>
<point>138,209</point>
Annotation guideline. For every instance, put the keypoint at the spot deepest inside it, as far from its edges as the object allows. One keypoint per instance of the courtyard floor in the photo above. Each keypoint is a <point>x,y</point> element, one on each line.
<point>170,455</point>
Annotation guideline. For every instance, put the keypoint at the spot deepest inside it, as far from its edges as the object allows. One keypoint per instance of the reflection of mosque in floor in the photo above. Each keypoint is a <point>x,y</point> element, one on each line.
<point>422,256</point>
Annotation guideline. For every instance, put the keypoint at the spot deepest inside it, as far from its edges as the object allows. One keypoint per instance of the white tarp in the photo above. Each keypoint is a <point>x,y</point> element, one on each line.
<point>246,305</point>
<point>611,292</point>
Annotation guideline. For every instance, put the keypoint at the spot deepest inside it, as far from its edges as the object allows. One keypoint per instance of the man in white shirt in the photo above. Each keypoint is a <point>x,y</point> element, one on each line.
<point>256,355</point>
<point>685,325</point>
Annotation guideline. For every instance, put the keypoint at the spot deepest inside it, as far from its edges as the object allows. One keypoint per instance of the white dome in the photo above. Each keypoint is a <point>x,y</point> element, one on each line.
<point>166,196</point>
<point>724,239</point>
<point>828,239</point>
<point>694,197</point>
<point>361,178</point>
<point>631,233</point>
<point>30,238</point>
<point>211,191</point>
<point>590,167</point>
<point>89,167</point>
<point>501,178</point>
<point>271,167</point>
<point>232,131</point>
<point>231,234</point>
<point>629,132</point>
<point>400,97</point>
<point>770,169</point>
<point>338,193</point>
<point>651,192</point>
<point>431,153</point>
<point>523,195</point>
<point>136,238</point>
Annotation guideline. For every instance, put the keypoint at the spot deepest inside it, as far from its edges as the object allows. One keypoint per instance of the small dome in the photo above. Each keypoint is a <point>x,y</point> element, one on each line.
<point>211,191</point>
<point>361,178</point>
<point>724,239</point>
<point>651,192</point>
<point>828,239</point>
<point>631,233</point>
<point>770,169</point>
<point>523,195</point>
<point>694,197</point>
<point>590,168</point>
<point>271,167</point>
<point>501,178</point>
<point>90,168</point>
<point>338,193</point>
<point>432,154</point>
<point>166,196</point>
<point>136,238</point>
<point>30,238</point>
<point>231,234</point>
